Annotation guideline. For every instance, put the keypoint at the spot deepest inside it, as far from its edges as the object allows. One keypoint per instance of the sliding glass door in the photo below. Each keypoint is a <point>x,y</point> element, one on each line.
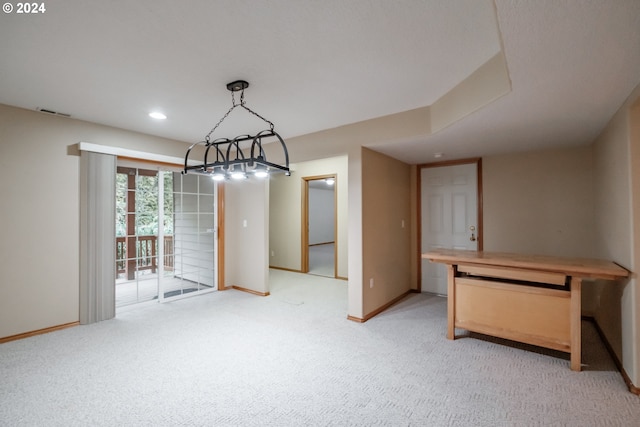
<point>165,235</point>
<point>194,238</point>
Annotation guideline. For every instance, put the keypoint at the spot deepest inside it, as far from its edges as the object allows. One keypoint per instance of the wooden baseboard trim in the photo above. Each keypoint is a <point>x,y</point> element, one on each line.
<point>285,269</point>
<point>38,332</point>
<point>380,309</point>
<point>302,272</point>
<point>386,306</point>
<point>632,388</point>
<point>320,244</point>
<point>250,291</point>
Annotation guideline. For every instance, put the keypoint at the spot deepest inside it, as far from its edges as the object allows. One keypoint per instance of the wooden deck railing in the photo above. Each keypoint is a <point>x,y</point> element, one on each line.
<point>145,256</point>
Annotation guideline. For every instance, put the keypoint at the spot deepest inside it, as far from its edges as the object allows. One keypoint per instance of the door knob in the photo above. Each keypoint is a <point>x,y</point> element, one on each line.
<point>473,236</point>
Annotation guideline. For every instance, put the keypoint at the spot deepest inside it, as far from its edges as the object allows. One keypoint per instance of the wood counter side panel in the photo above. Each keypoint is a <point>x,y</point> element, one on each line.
<point>530,315</point>
<point>576,324</point>
<point>451,302</point>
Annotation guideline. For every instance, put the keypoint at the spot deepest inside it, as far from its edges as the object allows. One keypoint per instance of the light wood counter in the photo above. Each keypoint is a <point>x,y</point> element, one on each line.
<point>526,298</point>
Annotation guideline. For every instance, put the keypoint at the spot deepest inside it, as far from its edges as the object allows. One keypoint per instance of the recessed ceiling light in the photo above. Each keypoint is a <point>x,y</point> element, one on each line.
<point>157,115</point>
<point>438,155</point>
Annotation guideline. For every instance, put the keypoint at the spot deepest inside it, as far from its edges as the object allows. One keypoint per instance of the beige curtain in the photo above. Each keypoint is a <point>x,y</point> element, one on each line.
<point>97,237</point>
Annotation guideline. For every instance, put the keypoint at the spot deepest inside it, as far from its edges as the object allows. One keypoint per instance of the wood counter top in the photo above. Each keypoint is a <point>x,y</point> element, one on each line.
<point>580,267</point>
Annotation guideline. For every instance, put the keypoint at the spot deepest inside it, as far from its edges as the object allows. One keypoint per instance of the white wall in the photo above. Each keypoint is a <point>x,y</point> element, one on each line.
<point>321,215</point>
<point>386,229</point>
<point>617,190</point>
<point>355,292</point>
<point>246,216</point>
<point>634,301</point>
<point>539,202</point>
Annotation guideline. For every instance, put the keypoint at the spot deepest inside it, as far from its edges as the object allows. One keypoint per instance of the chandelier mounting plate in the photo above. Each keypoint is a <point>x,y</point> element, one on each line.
<point>237,85</point>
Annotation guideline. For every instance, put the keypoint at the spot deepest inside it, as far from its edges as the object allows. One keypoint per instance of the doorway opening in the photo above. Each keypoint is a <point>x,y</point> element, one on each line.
<point>449,215</point>
<point>166,235</point>
<point>319,226</point>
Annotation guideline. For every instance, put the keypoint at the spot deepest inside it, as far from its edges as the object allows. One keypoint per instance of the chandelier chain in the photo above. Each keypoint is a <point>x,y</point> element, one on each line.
<point>258,115</point>
<point>218,124</point>
<point>234,105</point>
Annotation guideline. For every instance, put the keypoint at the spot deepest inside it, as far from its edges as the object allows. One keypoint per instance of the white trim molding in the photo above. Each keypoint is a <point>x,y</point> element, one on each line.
<point>125,152</point>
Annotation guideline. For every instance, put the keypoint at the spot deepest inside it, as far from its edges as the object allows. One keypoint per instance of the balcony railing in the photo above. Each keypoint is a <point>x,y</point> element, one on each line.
<point>145,255</point>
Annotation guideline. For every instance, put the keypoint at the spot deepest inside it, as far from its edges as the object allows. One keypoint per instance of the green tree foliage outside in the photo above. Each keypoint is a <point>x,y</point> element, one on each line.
<point>146,208</point>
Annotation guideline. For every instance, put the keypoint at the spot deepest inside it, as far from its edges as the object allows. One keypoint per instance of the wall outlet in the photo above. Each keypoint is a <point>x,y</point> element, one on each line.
<point>403,223</point>
<point>371,283</point>
<point>273,253</point>
<point>244,223</point>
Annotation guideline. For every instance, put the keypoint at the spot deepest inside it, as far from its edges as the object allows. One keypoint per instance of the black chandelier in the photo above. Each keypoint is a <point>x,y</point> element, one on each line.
<point>231,160</point>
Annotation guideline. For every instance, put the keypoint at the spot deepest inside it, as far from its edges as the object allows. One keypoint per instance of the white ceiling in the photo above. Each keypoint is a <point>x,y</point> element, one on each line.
<point>315,65</point>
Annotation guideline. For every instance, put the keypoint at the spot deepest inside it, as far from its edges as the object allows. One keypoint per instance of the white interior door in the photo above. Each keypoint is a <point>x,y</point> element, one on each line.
<point>449,203</point>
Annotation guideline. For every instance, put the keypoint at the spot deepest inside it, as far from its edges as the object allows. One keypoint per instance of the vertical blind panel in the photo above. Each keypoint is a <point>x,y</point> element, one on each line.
<point>97,236</point>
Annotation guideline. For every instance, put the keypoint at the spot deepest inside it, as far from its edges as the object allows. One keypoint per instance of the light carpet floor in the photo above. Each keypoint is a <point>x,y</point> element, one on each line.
<point>293,359</point>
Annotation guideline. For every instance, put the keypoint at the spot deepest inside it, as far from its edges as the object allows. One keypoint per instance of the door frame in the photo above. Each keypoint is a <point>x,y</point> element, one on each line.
<point>304,241</point>
<point>478,162</point>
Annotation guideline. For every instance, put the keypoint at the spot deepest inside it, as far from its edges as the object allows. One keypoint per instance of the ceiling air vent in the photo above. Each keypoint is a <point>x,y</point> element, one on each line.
<point>55,113</point>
